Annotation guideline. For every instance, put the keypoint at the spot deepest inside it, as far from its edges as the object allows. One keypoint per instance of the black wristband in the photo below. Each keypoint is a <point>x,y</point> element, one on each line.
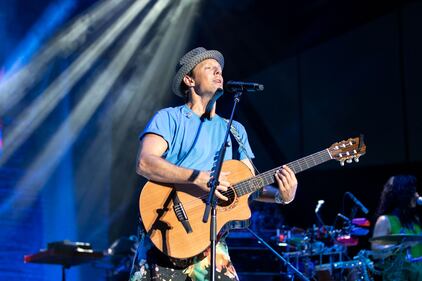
<point>194,175</point>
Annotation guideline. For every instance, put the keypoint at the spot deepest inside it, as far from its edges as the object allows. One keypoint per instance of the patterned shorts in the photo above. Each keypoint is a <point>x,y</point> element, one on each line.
<point>151,264</point>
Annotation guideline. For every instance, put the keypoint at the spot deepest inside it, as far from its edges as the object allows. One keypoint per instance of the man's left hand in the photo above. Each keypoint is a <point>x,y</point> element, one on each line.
<point>287,183</point>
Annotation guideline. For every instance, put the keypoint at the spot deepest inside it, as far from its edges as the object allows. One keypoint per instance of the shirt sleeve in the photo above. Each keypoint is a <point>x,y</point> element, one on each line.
<point>161,124</point>
<point>246,151</point>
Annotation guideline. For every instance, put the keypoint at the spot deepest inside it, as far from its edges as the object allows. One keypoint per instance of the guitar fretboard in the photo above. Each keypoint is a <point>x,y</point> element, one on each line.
<point>267,178</point>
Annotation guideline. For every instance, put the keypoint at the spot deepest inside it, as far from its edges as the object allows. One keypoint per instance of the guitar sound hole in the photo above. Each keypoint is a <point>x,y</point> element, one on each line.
<point>229,194</point>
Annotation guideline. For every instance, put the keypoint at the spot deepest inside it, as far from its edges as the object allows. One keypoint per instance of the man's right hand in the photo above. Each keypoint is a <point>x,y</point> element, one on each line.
<point>205,176</point>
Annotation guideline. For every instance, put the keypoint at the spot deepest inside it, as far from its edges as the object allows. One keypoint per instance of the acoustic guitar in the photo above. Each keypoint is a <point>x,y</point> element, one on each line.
<point>172,214</point>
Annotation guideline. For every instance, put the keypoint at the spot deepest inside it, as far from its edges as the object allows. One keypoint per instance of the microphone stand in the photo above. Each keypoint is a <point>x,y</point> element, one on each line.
<point>211,204</point>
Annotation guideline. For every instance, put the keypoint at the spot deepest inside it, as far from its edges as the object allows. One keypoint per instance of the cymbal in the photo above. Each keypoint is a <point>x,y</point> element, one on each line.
<point>397,239</point>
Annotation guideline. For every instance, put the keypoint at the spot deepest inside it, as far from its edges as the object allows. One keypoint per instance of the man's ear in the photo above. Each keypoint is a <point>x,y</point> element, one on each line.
<point>188,81</point>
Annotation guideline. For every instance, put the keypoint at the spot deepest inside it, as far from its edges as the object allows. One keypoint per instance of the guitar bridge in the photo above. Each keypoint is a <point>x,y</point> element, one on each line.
<point>181,214</point>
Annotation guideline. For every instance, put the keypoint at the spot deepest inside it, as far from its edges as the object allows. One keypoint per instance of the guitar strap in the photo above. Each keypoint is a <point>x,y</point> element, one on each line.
<point>235,147</point>
<point>239,144</point>
<point>235,134</point>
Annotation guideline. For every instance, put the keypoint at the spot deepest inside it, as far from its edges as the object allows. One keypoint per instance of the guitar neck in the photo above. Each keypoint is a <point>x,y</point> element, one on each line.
<point>267,178</point>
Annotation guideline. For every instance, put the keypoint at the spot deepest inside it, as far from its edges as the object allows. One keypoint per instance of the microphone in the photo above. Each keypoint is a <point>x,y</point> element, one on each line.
<point>419,201</point>
<point>236,86</point>
<point>318,206</point>
<point>357,202</point>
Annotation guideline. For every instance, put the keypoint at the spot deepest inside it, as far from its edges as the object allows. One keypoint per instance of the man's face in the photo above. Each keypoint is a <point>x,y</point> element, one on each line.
<point>208,77</point>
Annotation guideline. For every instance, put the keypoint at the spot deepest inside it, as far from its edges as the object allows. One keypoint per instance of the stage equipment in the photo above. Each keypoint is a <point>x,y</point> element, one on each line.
<point>66,254</point>
<point>352,229</point>
<point>360,268</point>
<point>321,253</point>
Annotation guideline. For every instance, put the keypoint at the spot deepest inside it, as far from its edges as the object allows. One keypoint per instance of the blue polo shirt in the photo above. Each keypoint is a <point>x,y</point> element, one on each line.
<point>192,142</point>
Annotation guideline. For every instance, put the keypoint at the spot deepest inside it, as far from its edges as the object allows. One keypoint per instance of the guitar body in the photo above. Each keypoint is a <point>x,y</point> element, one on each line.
<point>168,233</point>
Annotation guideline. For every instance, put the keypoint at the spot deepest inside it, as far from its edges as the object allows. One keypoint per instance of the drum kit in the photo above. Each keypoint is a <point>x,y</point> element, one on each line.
<point>320,253</point>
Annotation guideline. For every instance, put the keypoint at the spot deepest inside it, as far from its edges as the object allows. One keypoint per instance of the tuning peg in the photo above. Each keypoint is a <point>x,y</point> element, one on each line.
<point>349,160</point>
<point>356,159</point>
<point>342,163</point>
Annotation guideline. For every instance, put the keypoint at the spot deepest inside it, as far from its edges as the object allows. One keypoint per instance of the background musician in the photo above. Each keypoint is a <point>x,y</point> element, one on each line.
<point>397,214</point>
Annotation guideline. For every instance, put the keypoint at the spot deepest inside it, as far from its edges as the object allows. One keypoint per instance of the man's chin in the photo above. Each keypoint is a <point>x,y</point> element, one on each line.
<point>216,89</point>
<point>211,92</point>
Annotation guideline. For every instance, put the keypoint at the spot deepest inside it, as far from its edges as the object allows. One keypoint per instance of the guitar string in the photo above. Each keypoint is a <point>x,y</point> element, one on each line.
<point>269,175</point>
<point>244,187</point>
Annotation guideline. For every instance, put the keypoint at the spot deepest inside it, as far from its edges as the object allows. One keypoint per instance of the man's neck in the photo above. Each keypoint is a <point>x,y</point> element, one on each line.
<point>199,104</point>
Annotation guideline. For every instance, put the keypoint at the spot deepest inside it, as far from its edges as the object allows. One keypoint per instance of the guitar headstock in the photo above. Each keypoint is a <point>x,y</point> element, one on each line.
<point>348,150</point>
